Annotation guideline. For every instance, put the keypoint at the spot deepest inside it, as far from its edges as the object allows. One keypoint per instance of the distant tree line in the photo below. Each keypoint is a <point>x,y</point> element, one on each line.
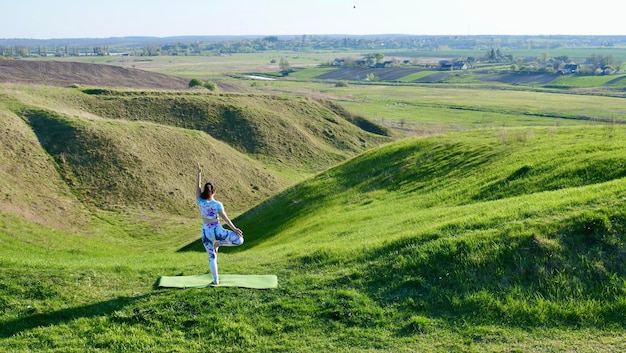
<point>197,46</point>
<point>493,46</point>
<point>24,51</point>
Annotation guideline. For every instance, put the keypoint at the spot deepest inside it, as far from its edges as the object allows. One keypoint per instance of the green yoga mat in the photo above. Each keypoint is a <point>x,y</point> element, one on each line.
<point>206,280</point>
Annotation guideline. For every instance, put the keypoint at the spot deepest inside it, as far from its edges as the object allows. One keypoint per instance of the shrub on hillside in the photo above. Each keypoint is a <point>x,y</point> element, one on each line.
<point>373,78</point>
<point>211,86</point>
<point>195,82</point>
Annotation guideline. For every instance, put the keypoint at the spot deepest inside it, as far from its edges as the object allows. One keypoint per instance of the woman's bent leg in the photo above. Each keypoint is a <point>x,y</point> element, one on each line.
<point>226,237</point>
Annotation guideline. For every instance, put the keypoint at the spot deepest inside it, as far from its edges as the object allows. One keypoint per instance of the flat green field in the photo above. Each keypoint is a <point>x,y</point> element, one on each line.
<point>591,81</point>
<point>458,108</point>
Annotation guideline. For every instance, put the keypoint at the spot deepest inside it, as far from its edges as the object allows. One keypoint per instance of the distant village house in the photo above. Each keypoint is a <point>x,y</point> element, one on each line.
<point>383,64</point>
<point>456,65</point>
<point>569,69</point>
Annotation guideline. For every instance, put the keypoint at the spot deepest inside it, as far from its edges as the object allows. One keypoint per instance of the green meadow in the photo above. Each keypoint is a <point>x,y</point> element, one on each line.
<point>426,108</point>
<point>398,218</point>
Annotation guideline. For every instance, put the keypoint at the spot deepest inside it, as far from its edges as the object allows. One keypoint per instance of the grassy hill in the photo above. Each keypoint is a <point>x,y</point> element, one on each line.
<point>138,150</point>
<point>496,240</point>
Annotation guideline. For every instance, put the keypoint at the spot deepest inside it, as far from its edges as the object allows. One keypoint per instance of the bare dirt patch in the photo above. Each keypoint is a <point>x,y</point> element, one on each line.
<point>385,74</point>
<point>57,73</point>
<point>520,78</point>
<point>436,77</point>
<point>392,74</point>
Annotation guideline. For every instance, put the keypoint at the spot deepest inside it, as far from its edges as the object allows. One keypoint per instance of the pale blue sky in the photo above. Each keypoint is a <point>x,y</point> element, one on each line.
<point>45,19</point>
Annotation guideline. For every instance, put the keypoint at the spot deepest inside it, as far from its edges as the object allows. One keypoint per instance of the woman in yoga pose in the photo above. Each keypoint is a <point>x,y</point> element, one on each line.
<point>213,234</point>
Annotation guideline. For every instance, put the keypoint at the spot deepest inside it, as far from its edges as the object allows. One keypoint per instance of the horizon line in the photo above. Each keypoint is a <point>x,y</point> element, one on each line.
<point>310,34</point>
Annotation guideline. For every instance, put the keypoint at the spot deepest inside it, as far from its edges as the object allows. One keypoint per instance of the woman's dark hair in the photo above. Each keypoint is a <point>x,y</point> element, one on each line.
<point>209,189</point>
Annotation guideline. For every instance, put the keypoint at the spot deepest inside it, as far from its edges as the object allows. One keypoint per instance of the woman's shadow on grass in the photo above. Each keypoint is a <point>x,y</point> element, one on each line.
<point>24,323</point>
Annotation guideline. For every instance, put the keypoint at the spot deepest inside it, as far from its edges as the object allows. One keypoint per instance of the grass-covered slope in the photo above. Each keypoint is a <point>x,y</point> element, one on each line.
<point>292,133</point>
<point>138,150</point>
<point>145,165</point>
<point>122,165</point>
<point>521,228</point>
<point>492,241</point>
<point>30,184</point>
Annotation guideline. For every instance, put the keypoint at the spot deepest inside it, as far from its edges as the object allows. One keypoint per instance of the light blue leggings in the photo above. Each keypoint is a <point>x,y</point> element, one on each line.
<point>225,237</point>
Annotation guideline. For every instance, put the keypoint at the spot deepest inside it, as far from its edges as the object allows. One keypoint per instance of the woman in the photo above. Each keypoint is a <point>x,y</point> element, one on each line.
<point>213,235</point>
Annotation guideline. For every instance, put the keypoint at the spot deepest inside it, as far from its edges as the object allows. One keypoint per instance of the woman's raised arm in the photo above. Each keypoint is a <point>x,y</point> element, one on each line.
<point>198,181</point>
